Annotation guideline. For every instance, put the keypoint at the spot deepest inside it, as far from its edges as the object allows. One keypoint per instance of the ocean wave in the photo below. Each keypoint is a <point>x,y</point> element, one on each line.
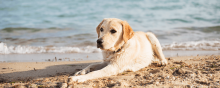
<point>213,45</point>
<point>4,49</point>
<point>194,45</point>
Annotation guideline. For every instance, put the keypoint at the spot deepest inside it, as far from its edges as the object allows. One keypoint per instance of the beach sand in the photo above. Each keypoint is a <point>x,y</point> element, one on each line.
<point>183,71</point>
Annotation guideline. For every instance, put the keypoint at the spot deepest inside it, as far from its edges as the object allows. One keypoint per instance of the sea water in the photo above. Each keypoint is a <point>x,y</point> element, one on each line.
<point>68,26</point>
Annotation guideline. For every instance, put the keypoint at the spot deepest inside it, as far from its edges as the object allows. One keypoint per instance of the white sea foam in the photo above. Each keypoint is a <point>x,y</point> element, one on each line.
<point>4,49</point>
<point>194,45</point>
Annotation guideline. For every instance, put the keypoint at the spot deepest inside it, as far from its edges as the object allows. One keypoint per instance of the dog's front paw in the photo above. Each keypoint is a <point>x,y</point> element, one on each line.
<point>164,62</point>
<point>82,72</point>
<point>81,78</point>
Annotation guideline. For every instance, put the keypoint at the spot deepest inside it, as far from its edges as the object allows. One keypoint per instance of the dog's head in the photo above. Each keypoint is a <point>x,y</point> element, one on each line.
<point>113,33</point>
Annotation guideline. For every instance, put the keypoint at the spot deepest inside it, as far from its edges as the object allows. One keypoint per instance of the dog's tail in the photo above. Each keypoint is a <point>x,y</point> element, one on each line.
<point>156,47</point>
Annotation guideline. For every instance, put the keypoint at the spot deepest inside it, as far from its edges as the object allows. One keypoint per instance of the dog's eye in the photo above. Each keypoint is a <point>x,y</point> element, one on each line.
<point>112,31</point>
<point>101,29</point>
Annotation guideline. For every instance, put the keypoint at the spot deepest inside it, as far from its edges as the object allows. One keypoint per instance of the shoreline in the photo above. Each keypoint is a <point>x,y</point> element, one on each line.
<point>182,71</point>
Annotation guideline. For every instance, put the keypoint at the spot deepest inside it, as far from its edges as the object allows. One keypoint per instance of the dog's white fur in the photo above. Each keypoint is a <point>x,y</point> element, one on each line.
<point>123,50</point>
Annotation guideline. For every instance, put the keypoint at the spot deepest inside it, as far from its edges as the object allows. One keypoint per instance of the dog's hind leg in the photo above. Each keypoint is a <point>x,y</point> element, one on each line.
<point>156,47</point>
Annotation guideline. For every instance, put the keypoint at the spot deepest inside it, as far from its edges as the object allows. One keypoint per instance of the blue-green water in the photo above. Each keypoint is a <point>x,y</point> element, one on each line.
<point>86,14</point>
<point>72,23</point>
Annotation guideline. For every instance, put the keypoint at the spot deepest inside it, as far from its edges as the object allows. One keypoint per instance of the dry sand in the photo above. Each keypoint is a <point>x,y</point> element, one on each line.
<point>186,72</point>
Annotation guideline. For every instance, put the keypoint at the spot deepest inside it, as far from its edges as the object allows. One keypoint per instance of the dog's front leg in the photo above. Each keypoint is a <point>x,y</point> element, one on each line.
<point>106,71</point>
<point>90,68</point>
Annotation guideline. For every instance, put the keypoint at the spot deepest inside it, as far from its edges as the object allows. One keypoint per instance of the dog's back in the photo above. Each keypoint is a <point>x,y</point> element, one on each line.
<point>149,48</point>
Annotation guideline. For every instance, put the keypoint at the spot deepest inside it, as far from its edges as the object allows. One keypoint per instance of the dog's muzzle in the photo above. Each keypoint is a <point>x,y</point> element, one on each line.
<point>99,43</point>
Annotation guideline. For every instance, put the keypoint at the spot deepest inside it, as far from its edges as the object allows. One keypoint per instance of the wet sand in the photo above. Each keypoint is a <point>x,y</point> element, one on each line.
<point>184,71</point>
<point>50,57</point>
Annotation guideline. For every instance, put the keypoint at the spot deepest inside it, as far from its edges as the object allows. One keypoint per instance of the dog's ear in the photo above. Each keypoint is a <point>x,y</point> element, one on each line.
<point>98,28</point>
<point>128,33</point>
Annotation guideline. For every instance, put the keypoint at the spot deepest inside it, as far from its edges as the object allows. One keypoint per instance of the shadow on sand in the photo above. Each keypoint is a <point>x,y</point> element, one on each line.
<point>50,71</point>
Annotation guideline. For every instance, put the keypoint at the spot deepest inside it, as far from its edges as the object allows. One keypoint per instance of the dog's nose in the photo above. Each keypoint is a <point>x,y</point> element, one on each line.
<point>100,41</point>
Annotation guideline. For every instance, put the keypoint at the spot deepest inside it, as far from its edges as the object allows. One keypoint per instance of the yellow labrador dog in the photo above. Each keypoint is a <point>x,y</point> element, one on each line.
<point>122,49</point>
